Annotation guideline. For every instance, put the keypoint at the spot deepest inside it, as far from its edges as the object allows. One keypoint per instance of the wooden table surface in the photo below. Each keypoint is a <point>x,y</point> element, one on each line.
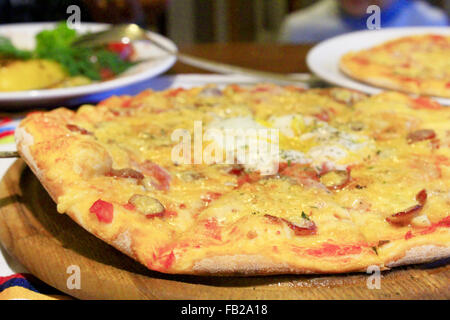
<point>283,58</point>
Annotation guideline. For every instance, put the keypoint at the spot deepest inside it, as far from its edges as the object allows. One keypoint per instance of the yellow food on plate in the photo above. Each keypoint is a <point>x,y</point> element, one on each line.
<point>30,74</point>
<point>73,82</point>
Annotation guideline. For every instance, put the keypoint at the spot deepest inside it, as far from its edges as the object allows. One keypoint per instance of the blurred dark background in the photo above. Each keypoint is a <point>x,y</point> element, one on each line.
<point>185,21</point>
<point>150,13</point>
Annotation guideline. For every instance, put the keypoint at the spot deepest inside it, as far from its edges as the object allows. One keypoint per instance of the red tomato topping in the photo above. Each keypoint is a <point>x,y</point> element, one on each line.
<point>408,235</point>
<point>170,213</point>
<point>360,60</point>
<point>420,135</point>
<point>282,166</point>
<point>144,94</point>
<point>261,88</point>
<point>323,116</point>
<point>169,260</point>
<point>103,210</point>
<point>444,222</point>
<point>236,88</point>
<point>210,196</point>
<point>237,171</point>
<point>124,50</point>
<point>106,74</point>
<point>435,143</point>
<point>294,88</point>
<point>243,177</point>
<point>129,206</point>
<point>437,37</point>
<point>174,92</point>
<point>213,229</point>
<point>413,80</point>
<point>248,178</point>
<point>328,249</point>
<point>126,102</point>
<point>426,103</point>
<point>113,101</point>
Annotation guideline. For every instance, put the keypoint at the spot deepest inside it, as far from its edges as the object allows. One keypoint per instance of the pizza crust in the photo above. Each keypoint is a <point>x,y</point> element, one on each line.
<point>242,264</point>
<point>367,78</point>
<point>421,254</point>
<point>24,141</point>
<point>383,83</point>
<point>123,242</point>
<point>259,264</point>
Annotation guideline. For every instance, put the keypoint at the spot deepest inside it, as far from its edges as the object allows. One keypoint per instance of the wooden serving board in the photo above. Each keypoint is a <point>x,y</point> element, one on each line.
<point>47,243</point>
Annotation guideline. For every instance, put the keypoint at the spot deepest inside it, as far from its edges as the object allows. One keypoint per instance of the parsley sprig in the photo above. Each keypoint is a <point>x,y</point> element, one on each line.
<point>8,51</point>
<point>78,61</point>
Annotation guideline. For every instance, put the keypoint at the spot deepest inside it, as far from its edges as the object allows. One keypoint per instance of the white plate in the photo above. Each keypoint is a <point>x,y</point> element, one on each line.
<point>324,58</point>
<point>22,35</point>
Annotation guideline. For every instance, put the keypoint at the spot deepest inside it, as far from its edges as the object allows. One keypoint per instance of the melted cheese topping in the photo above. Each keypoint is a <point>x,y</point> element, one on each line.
<point>233,204</point>
<point>418,56</point>
<point>417,64</point>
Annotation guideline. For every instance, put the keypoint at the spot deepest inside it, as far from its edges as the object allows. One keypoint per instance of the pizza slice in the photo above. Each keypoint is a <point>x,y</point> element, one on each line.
<point>359,181</point>
<point>416,64</point>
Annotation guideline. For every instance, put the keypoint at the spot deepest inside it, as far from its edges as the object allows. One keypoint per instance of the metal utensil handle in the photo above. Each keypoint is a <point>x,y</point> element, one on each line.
<point>229,69</point>
<point>133,32</point>
<point>9,154</point>
<point>218,67</point>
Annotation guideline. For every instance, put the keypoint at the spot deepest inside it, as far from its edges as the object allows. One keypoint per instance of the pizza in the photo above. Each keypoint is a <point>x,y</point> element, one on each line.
<point>356,181</point>
<point>416,64</point>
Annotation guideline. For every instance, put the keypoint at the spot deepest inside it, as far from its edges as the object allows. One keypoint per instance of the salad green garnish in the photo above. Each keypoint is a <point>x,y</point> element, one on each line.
<point>56,45</point>
<point>8,51</point>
